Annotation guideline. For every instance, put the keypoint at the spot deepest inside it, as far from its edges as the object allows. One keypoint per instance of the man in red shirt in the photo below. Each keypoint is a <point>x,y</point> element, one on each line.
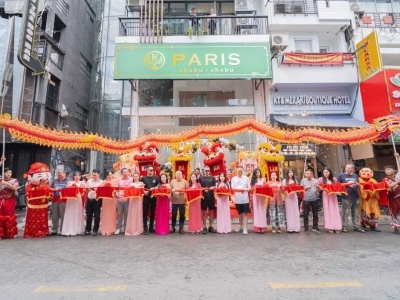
<point>8,219</point>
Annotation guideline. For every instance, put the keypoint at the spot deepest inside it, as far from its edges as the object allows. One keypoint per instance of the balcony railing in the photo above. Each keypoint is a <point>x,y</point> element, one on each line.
<point>379,6</point>
<point>294,7</point>
<point>378,20</point>
<point>174,26</point>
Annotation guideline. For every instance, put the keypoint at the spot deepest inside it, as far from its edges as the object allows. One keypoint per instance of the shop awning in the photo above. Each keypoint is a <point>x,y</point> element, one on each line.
<point>341,121</point>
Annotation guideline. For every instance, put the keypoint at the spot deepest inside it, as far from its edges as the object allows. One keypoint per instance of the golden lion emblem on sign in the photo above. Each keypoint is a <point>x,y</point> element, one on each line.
<point>154,60</point>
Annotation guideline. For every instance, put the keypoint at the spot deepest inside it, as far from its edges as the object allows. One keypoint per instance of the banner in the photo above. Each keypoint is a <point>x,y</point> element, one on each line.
<point>182,165</point>
<point>393,87</point>
<point>217,168</point>
<point>273,167</point>
<point>192,61</point>
<point>330,59</point>
<point>369,56</point>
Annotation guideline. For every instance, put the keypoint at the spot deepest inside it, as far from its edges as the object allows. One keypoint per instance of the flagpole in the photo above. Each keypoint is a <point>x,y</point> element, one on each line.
<point>394,149</point>
<point>3,153</point>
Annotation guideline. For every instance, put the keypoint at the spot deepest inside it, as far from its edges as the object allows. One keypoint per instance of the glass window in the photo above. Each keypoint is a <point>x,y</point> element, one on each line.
<point>97,81</point>
<point>177,8</point>
<point>57,58</point>
<point>199,93</point>
<point>112,33</point>
<point>303,45</point>
<point>50,118</point>
<point>112,88</point>
<point>95,117</point>
<point>53,90</point>
<point>125,128</point>
<point>85,67</point>
<point>228,8</point>
<point>323,49</point>
<point>117,8</point>
<point>127,93</point>
<point>81,114</point>
<point>111,120</point>
<point>155,92</point>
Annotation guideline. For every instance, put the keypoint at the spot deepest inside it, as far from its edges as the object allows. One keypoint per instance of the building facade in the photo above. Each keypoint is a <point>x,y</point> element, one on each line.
<point>314,80</point>
<point>58,98</point>
<point>377,34</point>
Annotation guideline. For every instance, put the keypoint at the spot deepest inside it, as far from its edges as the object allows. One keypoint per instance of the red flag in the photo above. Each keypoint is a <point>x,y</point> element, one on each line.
<point>105,192</point>
<point>160,192</point>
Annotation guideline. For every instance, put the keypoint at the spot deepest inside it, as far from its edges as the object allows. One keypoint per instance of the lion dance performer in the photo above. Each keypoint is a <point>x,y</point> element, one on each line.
<point>369,200</point>
<point>214,158</point>
<point>37,195</point>
<point>393,196</point>
<point>8,219</point>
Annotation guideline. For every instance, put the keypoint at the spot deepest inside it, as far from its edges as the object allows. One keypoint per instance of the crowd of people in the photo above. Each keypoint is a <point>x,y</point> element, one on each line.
<point>151,214</point>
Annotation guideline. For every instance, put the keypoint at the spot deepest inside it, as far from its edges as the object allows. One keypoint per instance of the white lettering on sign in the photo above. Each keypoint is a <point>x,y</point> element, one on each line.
<point>29,32</point>
<point>312,100</point>
<point>397,105</point>
<point>396,95</point>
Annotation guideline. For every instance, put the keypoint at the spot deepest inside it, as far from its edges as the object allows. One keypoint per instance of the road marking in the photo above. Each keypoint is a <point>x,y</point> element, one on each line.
<point>315,285</point>
<point>73,289</point>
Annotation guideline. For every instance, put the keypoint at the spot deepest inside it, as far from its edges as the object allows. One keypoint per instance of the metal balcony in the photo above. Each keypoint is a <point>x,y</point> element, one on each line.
<point>378,20</point>
<point>178,26</point>
<point>295,7</point>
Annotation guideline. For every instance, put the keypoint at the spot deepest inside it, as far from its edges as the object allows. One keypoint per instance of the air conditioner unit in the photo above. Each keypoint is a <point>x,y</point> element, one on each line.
<point>357,7</point>
<point>244,5</point>
<point>248,31</point>
<point>280,41</point>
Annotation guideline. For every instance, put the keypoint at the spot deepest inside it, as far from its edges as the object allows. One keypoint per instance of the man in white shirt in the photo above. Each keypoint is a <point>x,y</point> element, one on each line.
<point>241,182</point>
<point>93,205</point>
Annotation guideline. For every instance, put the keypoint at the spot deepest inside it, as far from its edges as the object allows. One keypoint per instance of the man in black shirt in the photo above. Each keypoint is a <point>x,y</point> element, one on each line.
<point>208,181</point>
<point>150,182</point>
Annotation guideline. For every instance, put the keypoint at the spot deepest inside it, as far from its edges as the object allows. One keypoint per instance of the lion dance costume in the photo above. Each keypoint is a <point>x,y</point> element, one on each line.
<point>214,158</point>
<point>369,191</point>
<point>37,195</point>
<point>147,156</point>
<point>8,219</point>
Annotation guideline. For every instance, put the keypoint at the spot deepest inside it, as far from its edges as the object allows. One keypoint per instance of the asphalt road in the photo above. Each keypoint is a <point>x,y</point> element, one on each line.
<point>234,266</point>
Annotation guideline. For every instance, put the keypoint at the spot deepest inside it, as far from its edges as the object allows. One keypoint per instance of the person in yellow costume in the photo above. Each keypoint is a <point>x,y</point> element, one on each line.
<point>369,201</point>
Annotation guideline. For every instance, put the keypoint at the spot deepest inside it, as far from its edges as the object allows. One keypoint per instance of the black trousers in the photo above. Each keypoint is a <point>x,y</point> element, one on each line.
<point>314,207</point>
<point>93,207</point>
<point>149,203</point>
<point>175,208</point>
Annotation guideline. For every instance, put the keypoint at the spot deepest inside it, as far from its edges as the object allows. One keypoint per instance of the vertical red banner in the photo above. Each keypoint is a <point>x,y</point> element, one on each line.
<point>273,167</point>
<point>181,165</point>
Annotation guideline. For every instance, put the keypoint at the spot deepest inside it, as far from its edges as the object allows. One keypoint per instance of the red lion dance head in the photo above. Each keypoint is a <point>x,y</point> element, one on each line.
<point>214,158</point>
<point>145,156</point>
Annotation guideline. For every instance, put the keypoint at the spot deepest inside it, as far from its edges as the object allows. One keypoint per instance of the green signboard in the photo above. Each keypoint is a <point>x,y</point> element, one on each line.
<point>396,138</point>
<point>192,61</point>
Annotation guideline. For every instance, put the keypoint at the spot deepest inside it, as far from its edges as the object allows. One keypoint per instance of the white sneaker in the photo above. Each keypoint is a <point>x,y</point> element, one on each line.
<point>245,231</point>
<point>238,230</point>
<point>118,231</point>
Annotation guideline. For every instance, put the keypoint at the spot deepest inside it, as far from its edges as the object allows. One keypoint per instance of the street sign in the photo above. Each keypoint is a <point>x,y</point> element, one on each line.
<point>299,150</point>
<point>26,54</point>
